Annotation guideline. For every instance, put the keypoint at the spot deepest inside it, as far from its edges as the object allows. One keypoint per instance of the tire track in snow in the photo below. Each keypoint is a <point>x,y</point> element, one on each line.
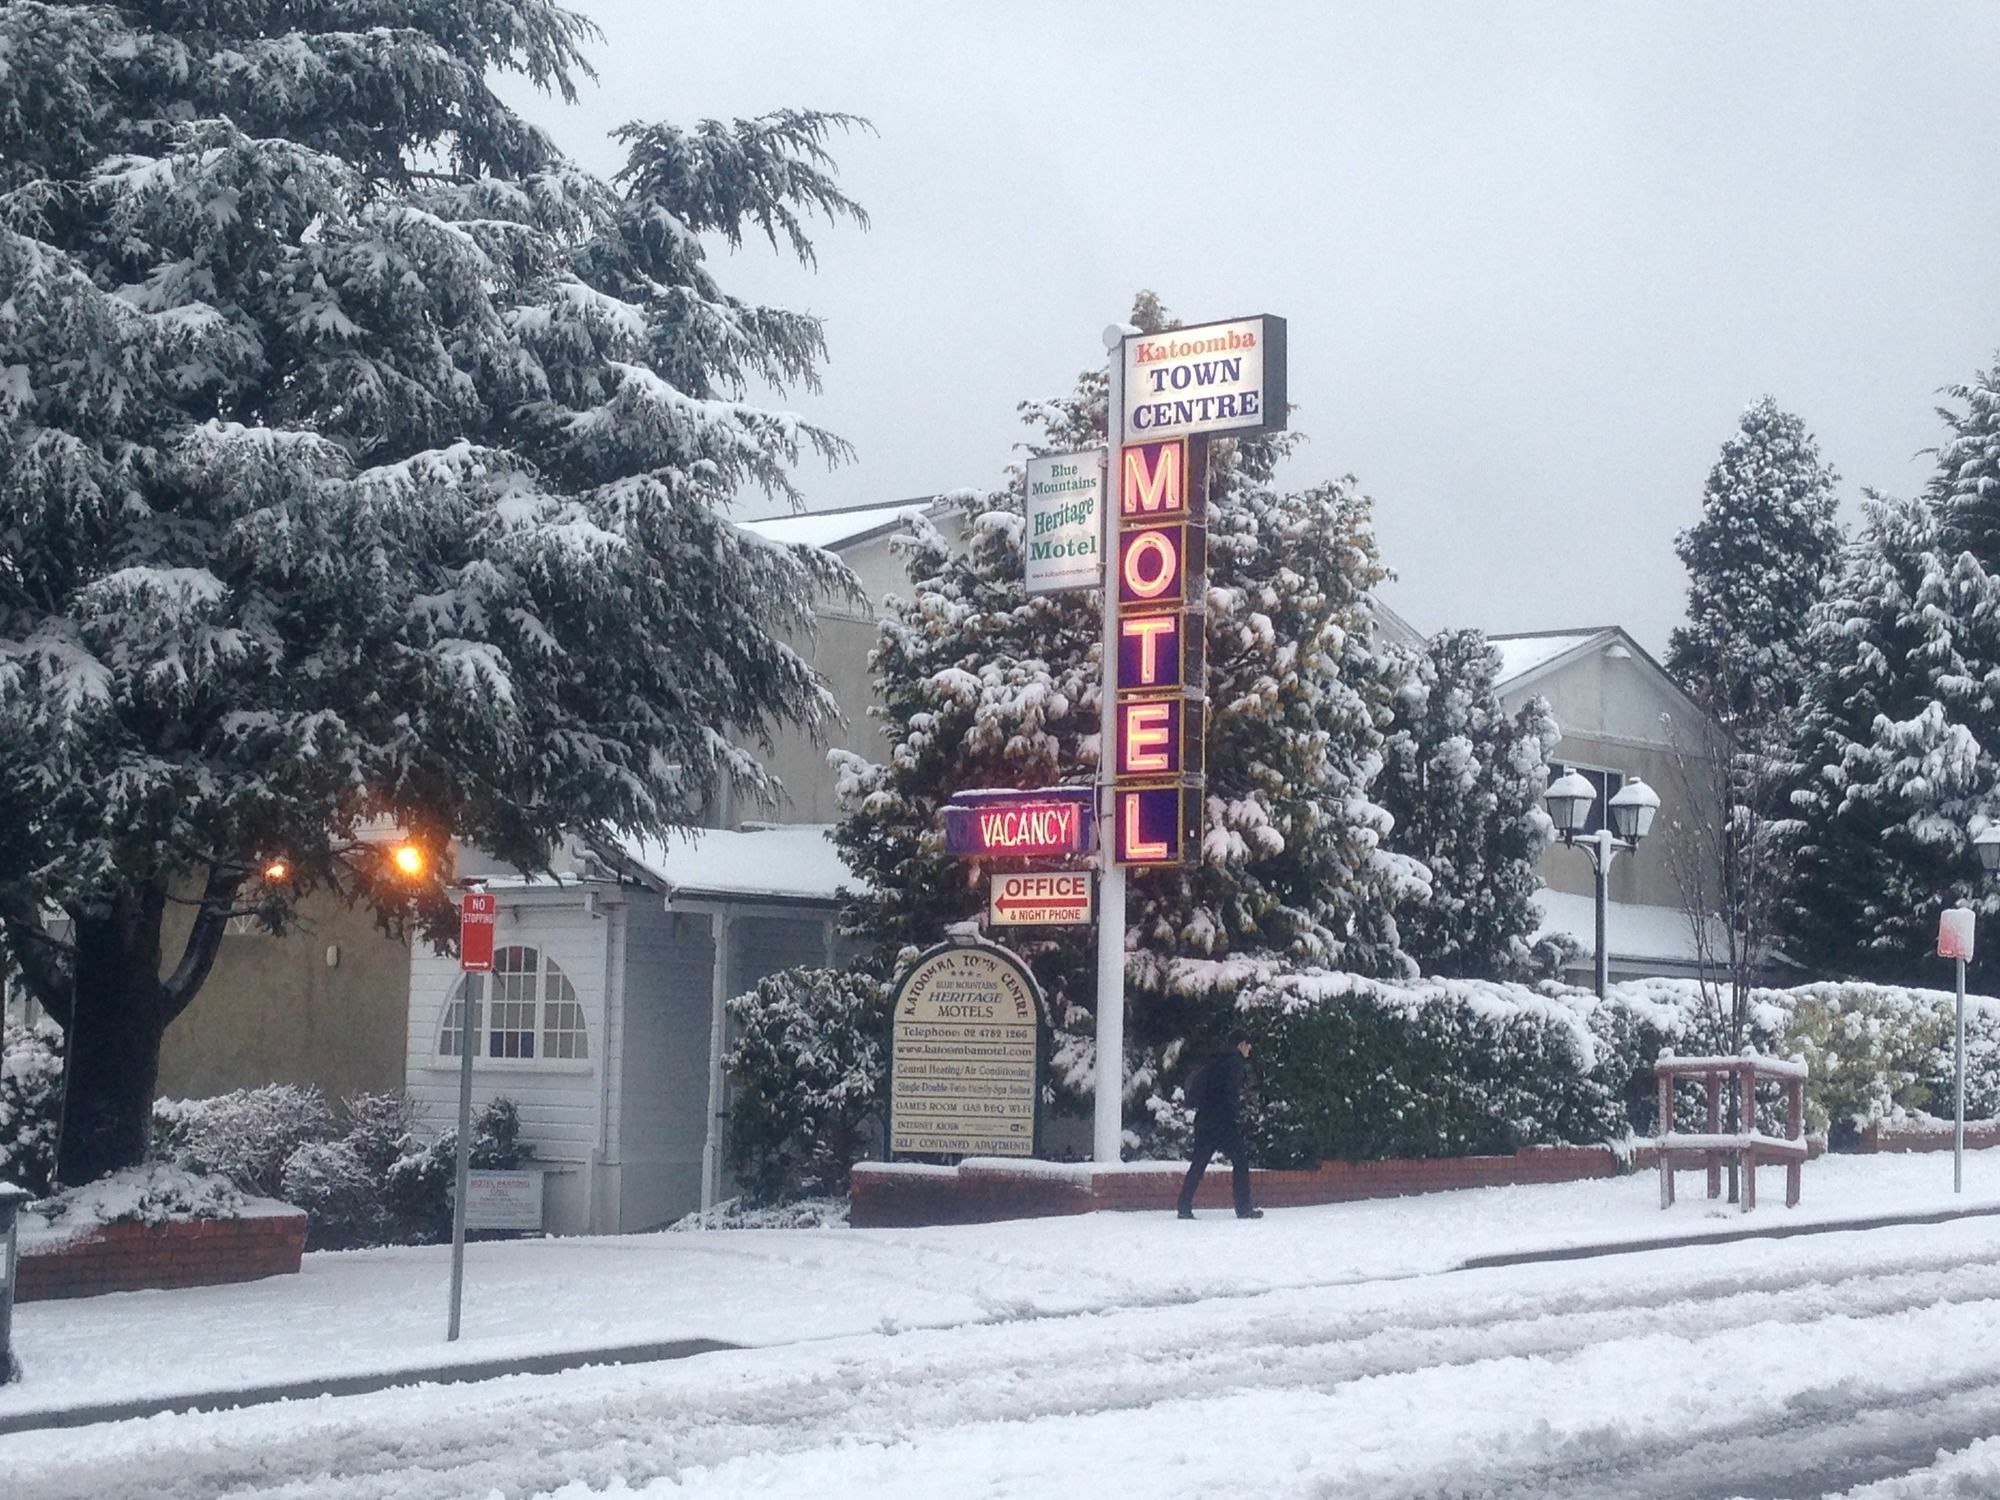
<point>523,1437</point>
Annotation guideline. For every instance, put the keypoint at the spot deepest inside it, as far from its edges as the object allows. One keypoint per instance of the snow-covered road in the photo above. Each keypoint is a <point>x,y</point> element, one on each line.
<point>1843,1364</point>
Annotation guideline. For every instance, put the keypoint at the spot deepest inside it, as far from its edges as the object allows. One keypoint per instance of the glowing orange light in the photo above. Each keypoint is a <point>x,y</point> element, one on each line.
<point>409,860</point>
<point>277,869</point>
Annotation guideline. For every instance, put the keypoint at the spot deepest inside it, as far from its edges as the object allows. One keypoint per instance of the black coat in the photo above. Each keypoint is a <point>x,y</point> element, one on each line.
<point>1218,1099</point>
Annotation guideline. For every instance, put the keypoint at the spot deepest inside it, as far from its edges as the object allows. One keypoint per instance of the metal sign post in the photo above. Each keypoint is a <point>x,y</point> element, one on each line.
<point>1955,936</point>
<point>476,920</point>
<point>12,1201</point>
<point>1108,1118</point>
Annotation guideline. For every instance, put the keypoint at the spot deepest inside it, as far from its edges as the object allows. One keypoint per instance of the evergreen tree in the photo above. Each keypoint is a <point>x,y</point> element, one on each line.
<point>1893,764</point>
<point>360,461</point>
<point>1464,781</point>
<point>983,685</point>
<point>1889,768</point>
<point>1757,559</point>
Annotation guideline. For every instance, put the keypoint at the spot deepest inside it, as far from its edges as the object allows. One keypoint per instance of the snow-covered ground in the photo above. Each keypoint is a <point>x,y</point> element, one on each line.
<point>1317,1352</point>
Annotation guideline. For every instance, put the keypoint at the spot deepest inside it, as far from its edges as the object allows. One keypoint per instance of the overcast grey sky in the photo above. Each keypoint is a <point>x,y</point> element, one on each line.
<point>1535,259</point>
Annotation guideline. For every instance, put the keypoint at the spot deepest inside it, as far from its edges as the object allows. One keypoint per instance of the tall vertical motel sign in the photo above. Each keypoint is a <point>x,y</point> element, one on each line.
<point>1178,388</point>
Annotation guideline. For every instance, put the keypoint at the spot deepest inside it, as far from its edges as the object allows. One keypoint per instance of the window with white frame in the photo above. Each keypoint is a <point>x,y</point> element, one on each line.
<point>531,1014</point>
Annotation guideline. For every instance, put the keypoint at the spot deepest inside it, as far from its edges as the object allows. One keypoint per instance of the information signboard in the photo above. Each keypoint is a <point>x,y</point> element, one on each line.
<point>503,1200</point>
<point>477,914</point>
<point>963,1077</point>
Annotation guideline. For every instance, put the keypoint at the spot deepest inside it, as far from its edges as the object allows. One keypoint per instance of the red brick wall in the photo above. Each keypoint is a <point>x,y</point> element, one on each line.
<point>133,1257</point>
<point>1977,1138</point>
<point>980,1192</point>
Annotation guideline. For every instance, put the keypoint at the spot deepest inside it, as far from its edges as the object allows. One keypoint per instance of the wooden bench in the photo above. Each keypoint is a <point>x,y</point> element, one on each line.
<point>1707,1147</point>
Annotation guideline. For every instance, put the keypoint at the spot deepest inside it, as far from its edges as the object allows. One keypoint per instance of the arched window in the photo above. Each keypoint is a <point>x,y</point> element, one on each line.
<point>534,1012</point>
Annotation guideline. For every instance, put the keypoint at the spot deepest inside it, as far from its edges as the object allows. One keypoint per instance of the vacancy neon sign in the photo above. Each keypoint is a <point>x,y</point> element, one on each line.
<point>1031,825</point>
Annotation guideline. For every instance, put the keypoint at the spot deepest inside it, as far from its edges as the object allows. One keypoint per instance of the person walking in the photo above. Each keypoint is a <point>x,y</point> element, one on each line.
<point>1216,1094</point>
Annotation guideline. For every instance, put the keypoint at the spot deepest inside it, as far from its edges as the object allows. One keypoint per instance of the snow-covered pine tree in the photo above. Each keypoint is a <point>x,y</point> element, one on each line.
<point>1757,560</point>
<point>1888,769</point>
<point>981,685</point>
<point>1464,781</point>
<point>360,461</point>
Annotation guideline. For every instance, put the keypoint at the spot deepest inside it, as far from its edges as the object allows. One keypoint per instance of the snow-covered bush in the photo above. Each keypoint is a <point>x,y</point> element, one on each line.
<point>740,1213</point>
<point>150,1194</point>
<point>361,1173</point>
<point>811,1063</point>
<point>247,1135</point>
<point>30,1103</point>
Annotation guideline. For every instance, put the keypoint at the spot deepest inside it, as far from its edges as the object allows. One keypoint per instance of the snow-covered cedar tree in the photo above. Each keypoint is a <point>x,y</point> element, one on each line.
<point>30,1103</point>
<point>981,685</point>
<point>810,1067</point>
<point>361,464</point>
<point>1464,780</point>
<point>1891,768</point>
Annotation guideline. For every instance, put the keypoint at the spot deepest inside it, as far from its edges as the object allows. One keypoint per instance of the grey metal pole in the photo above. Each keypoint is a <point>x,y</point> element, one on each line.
<point>1600,857</point>
<point>468,1037</point>
<point>1958,1091</point>
<point>12,1200</point>
<point>1108,1119</point>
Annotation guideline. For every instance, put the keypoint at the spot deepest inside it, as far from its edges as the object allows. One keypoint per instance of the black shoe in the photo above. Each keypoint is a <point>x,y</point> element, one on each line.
<point>1185,1213</point>
<point>1249,1213</point>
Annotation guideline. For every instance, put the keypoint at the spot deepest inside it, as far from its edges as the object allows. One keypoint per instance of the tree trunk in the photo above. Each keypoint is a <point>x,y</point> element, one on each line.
<point>112,1042</point>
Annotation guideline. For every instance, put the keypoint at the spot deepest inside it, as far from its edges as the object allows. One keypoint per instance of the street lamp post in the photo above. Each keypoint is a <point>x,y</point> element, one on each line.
<point>1631,818</point>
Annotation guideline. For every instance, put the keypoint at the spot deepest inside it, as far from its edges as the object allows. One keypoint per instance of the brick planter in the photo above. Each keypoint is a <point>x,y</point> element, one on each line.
<point>899,1196</point>
<point>187,1252</point>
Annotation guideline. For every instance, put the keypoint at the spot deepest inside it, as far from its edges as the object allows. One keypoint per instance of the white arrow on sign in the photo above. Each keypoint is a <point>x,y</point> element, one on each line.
<point>1039,899</point>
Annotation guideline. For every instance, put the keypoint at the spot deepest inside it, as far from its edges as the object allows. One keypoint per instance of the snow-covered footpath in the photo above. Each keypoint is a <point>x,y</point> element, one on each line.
<point>1311,1353</point>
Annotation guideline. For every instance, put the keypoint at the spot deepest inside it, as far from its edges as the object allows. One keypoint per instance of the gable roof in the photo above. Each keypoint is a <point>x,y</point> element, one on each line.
<point>835,529</point>
<point>789,863</point>
<point>1532,654</point>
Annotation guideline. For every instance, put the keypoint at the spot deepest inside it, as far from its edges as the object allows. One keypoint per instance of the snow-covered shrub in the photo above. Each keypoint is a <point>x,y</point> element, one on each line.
<point>740,1213</point>
<point>30,1103</point>
<point>417,1186</point>
<point>811,1065</point>
<point>342,1195</point>
<point>246,1136</point>
<point>149,1194</point>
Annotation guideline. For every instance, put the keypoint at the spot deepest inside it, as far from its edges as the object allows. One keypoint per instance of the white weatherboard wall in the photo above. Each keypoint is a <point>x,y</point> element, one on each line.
<point>562,1102</point>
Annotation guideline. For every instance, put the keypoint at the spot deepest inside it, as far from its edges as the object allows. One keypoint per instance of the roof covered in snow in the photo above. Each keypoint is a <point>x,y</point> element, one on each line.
<point>1522,654</point>
<point>836,528</point>
<point>1633,933</point>
<point>794,863</point>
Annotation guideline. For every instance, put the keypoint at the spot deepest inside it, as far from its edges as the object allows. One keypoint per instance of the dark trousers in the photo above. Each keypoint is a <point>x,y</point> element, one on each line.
<point>1207,1141</point>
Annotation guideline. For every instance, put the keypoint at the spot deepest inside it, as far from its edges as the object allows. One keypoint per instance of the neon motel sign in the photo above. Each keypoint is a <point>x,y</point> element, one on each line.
<point>1160,716</point>
<point>1052,823</point>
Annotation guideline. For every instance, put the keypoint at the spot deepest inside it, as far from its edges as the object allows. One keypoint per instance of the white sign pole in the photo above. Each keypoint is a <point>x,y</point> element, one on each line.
<point>1108,1137</point>
<point>1958,1102</point>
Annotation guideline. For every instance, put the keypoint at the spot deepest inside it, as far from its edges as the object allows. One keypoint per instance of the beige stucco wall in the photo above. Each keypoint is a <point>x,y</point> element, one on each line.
<point>1610,712</point>
<point>274,1010</point>
<point>847,632</point>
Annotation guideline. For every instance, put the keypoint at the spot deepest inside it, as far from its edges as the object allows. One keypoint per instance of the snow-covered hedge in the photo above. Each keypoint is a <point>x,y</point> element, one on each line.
<point>1349,1067</point>
<point>30,1103</point>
